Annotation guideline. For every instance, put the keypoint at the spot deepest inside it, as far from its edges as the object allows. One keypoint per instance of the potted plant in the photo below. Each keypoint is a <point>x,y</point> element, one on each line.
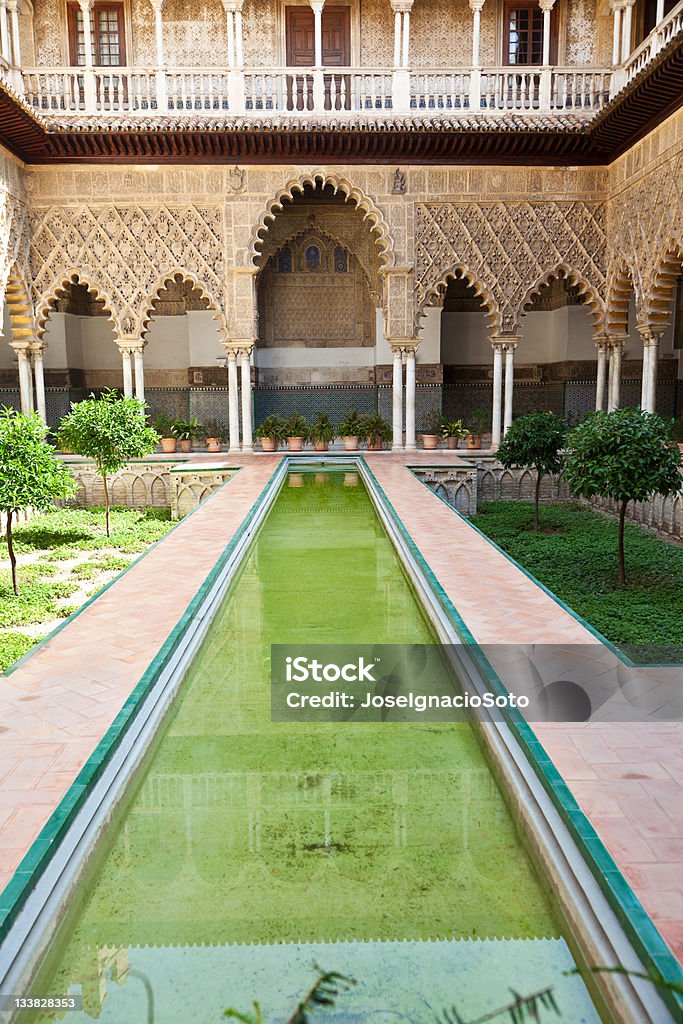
<point>270,432</point>
<point>187,431</point>
<point>296,432</point>
<point>350,430</point>
<point>321,432</point>
<point>478,424</point>
<point>214,435</point>
<point>375,431</point>
<point>163,425</point>
<point>430,439</point>
<point>452,431</point>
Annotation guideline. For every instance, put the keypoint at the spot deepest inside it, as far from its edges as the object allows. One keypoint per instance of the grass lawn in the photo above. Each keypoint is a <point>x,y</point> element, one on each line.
<point>577,560</point>
<point>63,558</point>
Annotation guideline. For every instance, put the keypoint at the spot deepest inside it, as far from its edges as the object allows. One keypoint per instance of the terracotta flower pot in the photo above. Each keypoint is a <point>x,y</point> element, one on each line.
<point>268,444</point>
<point>430,441</point>
<point>295,444</point>
<point>375,445</point>
<point>473,441</point>
<point>350,443</point>
<point>680,447</point>
<point>320,446</point>
<point>213,444</point>
<point>186,446</point>
<point>168,445</point>
<point>452,442</point>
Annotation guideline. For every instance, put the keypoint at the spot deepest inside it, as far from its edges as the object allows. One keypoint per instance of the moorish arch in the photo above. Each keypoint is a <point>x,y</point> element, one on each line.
<point>620,290</point>
<point>199,286</point>
<point>19,307</point>
<point>47,303</point>
<point>657,305</point>
<point>321,179</point>
<point>591,299</point>
<point>459,272</point>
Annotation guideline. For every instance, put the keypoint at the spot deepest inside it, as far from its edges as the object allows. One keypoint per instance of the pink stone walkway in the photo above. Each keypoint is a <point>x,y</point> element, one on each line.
<point>626,776</point>
<point>56,707</point>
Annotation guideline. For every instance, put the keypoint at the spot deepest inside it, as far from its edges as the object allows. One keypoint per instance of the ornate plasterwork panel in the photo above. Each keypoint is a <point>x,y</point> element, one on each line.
<point>259,21</point>
<point>14,249</point>
<point>646,225</point>
<point>509,247</point>
<point>125,253</point>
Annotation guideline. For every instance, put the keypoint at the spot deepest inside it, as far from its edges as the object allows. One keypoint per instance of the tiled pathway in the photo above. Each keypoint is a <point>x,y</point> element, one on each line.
<point>56,707</point>
<point>627,777</point>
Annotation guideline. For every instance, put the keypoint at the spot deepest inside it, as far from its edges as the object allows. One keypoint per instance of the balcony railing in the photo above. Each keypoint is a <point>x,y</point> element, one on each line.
<point>658,39</point>
<point>303,92</point>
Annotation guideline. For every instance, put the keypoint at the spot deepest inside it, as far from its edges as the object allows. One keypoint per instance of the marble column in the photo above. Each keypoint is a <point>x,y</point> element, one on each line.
<point>405,49</point>
<point>89,91</point>
<point>547,7</point>
<point>233,396</point>
<point>398,21</point>
<point>601,380</point>
<point>497,413</point>
<point>627,21</point>
<point>13,8</point>
<point>410,398</point>
<point>25,377</point>
<point>648,398</point>
<point>614,388</point>
<point>397,398</point>
<point>138,355</point>
<point>617,14</point>
<point>127,360</point>
<point>162,89</point>
<point>5,50</point>
<point>509,383</point>
<point>245,370</point>
<point>39,377</point>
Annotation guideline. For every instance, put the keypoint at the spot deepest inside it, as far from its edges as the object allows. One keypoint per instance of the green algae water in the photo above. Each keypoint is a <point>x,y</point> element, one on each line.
<point>248,850</point>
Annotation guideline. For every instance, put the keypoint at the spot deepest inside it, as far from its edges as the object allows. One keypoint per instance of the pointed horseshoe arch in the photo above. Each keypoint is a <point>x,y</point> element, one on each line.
<point>47,303</point>
<point>371,213</point>
<point>19,306</point>
<point>619,290</point>
<point>166,278</point>
<point>563,271</point>
<point>659,298</point>
<point>490,309</point>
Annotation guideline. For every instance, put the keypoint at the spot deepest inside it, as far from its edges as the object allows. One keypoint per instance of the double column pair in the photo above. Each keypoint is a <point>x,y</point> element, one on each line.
<point>133,360</point>
<point>610,354</point>
<point>400,351</point>
<point>241,354</point>
<point>30,359</point>
<point>501,418</point>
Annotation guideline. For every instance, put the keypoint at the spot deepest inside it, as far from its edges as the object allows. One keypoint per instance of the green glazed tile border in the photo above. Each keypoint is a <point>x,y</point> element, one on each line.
<point>623,658</point>
<point>29,870</point>
<point>86,604</point>
<point>637,924</point>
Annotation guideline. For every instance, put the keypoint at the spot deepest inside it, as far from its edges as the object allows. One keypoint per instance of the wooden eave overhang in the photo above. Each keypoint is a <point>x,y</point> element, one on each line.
<point>482,138</point>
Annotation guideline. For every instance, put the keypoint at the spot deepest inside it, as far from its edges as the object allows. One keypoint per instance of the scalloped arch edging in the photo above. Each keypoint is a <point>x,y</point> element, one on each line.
<point>573,277</point>
<point>46,304</point>
<point>164,279</point>
<point>353,194</point>
<point>491,310</point>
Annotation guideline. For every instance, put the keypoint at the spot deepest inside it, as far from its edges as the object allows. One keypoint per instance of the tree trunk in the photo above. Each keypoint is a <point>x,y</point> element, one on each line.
<point>106,501</point>
<point>537,498</point>
<point>622,560</point>
<point>10,549</point>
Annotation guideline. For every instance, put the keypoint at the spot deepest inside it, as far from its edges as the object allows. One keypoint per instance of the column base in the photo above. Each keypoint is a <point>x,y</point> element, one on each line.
<point>247,449</point>
<point>410,448</point>
<point>397,446</point>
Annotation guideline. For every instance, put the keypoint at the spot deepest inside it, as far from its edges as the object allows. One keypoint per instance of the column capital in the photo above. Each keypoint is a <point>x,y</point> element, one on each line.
<point>401,6</point>
<point>616,5</point>
<point>317,5</point>
<point>476,5</point>
<point>38,347</point>
<point>547,5</point>
<point>12,6</point>
<point>20,346</point>
<point>397,348</point>
<point>130,345</point>
<point>85,6</point>
<point>616,340</point>
<point>233,6</point>
<point>650,335</point>
<point>157,5</point>
<point>629,3</point>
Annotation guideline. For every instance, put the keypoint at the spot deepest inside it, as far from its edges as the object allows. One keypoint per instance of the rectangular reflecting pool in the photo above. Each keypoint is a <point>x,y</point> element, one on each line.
<point>247,850</point>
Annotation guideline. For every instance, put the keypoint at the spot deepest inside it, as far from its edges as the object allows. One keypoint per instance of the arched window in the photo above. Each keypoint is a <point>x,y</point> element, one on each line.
<point>284,260</point>
<point>312,257</point>
<point>341,260</point>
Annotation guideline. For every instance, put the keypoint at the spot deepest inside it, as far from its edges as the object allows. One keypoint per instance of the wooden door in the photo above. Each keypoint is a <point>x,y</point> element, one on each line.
<point>336,52</point>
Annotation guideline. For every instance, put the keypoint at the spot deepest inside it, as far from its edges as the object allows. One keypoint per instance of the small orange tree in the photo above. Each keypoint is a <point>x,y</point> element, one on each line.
<point>626,455</point>
<point>31,476</point>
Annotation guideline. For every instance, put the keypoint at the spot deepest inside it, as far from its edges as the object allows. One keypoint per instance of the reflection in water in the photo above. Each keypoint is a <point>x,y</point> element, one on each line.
<point>292,835</point>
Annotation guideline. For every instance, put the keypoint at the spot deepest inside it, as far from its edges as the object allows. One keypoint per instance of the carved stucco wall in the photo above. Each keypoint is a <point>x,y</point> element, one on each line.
<point>645,220</point>
<point>441,33</point>
<point>14,232</point>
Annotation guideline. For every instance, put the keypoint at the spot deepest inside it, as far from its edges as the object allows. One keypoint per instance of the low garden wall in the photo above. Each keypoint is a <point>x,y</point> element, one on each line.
<point>664,516</point>
<point>143,484</point>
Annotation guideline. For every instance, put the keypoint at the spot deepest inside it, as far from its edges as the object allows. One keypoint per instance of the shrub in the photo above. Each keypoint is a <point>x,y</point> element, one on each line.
<point>535,441</point>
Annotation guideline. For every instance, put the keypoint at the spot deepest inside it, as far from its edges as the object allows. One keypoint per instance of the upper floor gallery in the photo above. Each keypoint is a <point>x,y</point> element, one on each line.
<point>66,59</point>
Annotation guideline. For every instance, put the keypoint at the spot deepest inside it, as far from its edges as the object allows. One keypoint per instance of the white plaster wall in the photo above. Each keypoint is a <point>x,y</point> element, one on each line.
<point>168,344</point>
<point>430,336</point>
<point>464,339</point>
<point>289,358</point>
<point>546,337</point>
<point>204,340</point>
